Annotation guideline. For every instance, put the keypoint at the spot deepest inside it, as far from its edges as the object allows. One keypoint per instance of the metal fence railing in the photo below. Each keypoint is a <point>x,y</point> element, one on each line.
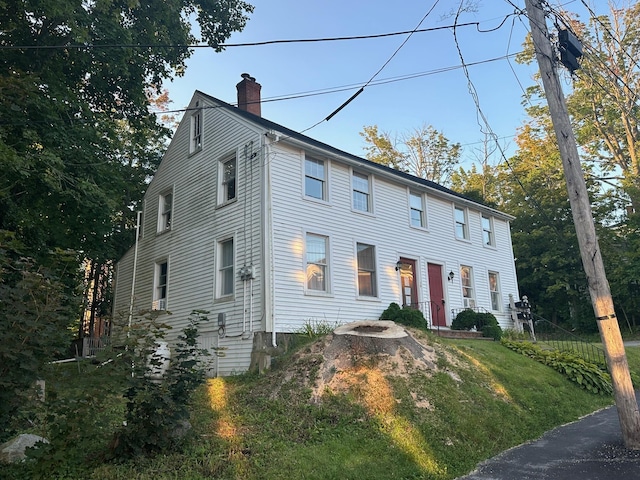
<point>566,341</point>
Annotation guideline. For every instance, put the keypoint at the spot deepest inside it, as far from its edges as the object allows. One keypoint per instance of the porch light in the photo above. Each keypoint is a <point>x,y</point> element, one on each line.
<point>451,275</point>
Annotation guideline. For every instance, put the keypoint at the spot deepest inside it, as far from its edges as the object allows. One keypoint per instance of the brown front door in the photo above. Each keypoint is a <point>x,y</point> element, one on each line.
<point>438,317</point>
<point>407,269</point>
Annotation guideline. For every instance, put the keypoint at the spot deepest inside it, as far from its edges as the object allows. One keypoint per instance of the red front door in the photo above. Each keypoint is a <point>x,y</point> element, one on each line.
<point>408,283</point>
<point>438,317</point>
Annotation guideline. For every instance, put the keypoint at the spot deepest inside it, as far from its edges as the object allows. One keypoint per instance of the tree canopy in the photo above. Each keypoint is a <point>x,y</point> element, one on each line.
<point>79,143</point>
<point>424,152</point>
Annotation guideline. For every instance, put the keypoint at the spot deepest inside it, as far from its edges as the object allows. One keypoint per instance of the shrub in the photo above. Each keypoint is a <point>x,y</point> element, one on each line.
<point>492,331</point>
<point>155,410</point>
<point>465,320</point>
<point>408,316</point>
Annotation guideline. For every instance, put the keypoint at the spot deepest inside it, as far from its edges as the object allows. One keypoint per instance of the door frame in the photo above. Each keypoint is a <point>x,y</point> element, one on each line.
<point>414,287</point>
<point>437,302</point>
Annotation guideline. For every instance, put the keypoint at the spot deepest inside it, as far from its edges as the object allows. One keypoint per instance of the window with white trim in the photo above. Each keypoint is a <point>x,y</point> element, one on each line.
<point>487,231</point>
<point>160,284</point>
<point>317,264</point>
<point>361,192</point>
<point>468,291</point>
<point>367,270</point>
<point>227,187</point>
<point>462,229</point>
<point>494,290</point>
<point>195,142</point>
<point>165,211</point>
<point>416,205</point>
<point>226,278</point>
<point>315,178</point>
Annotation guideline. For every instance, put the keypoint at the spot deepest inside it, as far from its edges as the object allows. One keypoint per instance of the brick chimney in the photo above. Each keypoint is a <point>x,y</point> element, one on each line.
<point>249,94</point>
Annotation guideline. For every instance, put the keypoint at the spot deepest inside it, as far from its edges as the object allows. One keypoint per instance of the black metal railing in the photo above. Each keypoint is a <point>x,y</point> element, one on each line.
<point>566,341</point>
<point>427,307</point>
<point>456,311</point>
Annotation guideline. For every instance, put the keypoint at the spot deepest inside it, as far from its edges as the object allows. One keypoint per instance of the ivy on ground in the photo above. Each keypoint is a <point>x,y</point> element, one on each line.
<point>587,375</point>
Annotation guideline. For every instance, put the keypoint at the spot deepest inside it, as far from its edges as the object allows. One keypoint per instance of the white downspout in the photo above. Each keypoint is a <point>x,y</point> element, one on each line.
<point>269,276</point>
<point>135,265</point>
<point>251,305</point>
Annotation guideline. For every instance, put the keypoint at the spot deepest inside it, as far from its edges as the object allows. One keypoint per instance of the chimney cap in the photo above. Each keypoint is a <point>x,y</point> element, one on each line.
<point>246,75</point>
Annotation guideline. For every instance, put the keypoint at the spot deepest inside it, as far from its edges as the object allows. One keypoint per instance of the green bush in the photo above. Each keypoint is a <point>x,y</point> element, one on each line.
<point>411,317</point>
<point>492,331</point>
<point>588,375</point>
<point>484,322</point>
<point>155,409</point>
<point>465,320</point>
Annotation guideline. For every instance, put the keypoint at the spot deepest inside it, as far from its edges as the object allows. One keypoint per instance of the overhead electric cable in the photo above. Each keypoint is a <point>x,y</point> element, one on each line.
<point>247,44</point>
<point>332,114</point>
<point>485,127</point>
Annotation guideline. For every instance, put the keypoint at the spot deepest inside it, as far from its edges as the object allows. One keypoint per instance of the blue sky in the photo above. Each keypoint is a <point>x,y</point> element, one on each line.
<point>438,98</point>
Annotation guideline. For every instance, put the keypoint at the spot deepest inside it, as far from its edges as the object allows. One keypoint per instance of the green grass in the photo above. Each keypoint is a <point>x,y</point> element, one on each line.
<point>482,399</point>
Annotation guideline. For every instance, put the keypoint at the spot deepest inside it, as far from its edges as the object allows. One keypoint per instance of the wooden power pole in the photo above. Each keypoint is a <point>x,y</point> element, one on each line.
<point>585,229</point>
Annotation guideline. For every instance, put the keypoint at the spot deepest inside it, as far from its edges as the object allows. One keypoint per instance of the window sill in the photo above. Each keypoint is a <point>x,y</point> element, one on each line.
<point>362,212</point>
<point>228,202</point>
<point>162,232</point>
<point>316,200</point>
<point>194,152</point>
<point>368,299</point>
<point>226,298</point>
<point>464,240</point>
<point>490,247</point>
<point>422,229</point>
<point>318,293</point>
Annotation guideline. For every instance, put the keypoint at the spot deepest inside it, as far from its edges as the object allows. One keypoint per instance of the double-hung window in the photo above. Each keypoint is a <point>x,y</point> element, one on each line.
<point>228,179</point>
<point>160,283</point>
<point>462,229</point>
<point>315,178</point>
<point>195,143</point>
<point>361,192</point>
<point>317,265</point>
<point>468,291</point>
<point>165,209</point>
<point>416,205</point>
<point>494,290</point>
<point>487,231</point>
<point>367,270</point>
<point>225,281</point>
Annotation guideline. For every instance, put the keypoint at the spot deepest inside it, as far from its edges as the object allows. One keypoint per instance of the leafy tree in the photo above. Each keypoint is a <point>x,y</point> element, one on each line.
<point>78,144</point>
<point>34,314</point>
<point>548,262</point>
<point>381,148</point>
<point>430,154</point>
<point>425,152</point>
<point>603,106</point>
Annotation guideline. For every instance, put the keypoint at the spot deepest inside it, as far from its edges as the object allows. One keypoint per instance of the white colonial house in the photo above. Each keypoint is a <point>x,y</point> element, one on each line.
<point>270,230</point>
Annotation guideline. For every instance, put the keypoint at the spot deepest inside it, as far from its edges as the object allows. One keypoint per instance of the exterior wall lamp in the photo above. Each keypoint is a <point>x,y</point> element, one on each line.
<point>451,275</point>
<point>398,265</point>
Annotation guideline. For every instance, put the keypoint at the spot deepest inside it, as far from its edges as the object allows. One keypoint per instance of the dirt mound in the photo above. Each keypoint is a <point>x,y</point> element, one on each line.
<point>359,356</point>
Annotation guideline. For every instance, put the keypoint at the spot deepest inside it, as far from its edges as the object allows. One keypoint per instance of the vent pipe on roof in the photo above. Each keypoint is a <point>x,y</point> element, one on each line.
<point>249,94</point>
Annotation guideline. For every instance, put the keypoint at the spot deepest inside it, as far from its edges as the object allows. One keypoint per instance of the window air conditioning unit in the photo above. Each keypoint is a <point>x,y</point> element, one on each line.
<point>160,304</point>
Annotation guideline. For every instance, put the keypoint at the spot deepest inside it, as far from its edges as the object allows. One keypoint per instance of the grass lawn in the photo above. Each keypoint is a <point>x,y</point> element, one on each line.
<point>480,399</point>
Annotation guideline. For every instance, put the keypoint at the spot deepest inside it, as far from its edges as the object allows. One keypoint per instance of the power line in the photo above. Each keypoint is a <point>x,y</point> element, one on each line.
<point>485,127</point>
<point>231,45</point>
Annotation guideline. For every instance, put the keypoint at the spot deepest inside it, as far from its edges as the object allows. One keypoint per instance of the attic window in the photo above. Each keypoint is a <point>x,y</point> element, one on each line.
<point>196,129</point>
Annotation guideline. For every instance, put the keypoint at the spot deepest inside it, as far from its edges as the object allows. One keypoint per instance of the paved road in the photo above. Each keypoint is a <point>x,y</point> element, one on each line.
<point>589,449</point>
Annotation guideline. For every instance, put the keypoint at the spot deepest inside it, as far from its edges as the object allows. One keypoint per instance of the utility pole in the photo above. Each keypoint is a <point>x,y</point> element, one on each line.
<point>585,229</point>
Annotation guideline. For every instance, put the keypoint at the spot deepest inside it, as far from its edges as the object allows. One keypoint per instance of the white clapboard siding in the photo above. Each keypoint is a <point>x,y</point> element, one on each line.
<point>271,212</point>
<point>387,227</point>
<point>197,224</point>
